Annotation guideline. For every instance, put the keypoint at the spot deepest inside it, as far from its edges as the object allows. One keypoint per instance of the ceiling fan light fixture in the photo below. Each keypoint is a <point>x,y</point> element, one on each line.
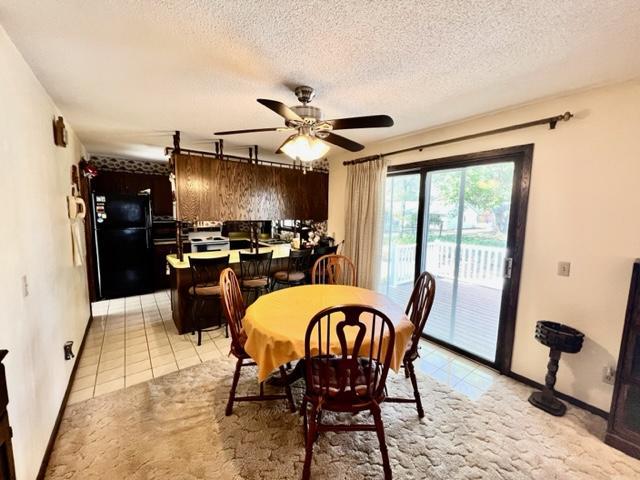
<point>306,148</point>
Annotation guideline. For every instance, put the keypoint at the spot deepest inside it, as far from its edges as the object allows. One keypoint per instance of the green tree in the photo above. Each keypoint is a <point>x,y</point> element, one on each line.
<point>487,189</point>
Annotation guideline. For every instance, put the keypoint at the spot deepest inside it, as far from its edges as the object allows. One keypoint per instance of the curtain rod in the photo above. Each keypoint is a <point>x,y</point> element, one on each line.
<point>551,121</point>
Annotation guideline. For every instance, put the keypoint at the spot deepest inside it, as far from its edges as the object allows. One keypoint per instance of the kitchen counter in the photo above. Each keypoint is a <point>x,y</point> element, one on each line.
<point>180,281</point>
<point>279,251</point>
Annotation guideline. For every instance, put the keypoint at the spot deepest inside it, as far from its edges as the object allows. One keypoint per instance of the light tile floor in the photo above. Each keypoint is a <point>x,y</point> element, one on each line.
<point>133,340</point>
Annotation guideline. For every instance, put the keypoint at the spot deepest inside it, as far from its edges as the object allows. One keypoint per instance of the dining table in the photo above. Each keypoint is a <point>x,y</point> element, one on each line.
<point>276,323</point>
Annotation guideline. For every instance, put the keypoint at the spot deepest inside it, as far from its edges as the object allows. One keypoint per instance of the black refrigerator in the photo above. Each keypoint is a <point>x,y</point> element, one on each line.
<point>124,249</point>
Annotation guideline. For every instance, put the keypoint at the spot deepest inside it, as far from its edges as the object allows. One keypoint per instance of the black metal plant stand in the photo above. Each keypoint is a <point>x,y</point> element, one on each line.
<point>559,338</point>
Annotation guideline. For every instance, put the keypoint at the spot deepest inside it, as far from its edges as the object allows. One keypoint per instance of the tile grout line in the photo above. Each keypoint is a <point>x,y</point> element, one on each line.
<point>477,369</point>
<point>144,326</point>
<point>104,334</point>
<point>460,379</point>
<point>193,345</point>
<point>164,327</point>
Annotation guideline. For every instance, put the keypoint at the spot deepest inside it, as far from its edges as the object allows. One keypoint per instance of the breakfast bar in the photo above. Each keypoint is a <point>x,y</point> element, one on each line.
<point>180,280</point>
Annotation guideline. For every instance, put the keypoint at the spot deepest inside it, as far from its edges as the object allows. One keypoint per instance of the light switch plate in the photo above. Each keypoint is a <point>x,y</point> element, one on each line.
<point>564,269</point>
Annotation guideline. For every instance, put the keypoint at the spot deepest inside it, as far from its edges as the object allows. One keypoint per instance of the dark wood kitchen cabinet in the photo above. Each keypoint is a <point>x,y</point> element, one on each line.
<point>7,469</point>
<point>131,183</point>
<point>623,431</point>
<point>208,188</point>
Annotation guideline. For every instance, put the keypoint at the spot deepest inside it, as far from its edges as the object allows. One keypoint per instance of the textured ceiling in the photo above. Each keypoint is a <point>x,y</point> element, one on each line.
<point>126,72</point>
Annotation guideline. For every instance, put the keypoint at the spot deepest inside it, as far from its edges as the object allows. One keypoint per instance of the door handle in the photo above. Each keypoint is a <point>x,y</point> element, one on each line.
<point>508,267</point>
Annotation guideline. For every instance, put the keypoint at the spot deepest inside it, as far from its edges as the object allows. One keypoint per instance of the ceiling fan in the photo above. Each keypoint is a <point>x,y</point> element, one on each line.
<point>312,133</point>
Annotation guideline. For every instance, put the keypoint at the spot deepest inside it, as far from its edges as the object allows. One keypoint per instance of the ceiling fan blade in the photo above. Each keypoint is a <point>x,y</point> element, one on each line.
<point>251,130</point>
<point>279,150</point>
<point>343,142</point>
<point>281,109</point>
<point>371,121</point>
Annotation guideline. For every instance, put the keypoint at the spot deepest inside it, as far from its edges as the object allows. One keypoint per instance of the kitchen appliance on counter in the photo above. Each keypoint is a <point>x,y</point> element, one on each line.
<point>209,239</point>
<point>163,230</point>
<point>123,245</point>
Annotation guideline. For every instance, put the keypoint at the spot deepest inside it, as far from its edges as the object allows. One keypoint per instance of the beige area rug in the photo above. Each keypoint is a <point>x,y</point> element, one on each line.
<point>174,427</point>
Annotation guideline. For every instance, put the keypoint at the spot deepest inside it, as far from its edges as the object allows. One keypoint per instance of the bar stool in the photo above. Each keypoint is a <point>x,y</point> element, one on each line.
<point>254,273</point>
<point>205,289</point>
<point>297,266</point>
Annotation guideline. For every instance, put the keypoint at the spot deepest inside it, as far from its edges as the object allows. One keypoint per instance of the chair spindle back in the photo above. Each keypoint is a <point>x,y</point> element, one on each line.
<point>334,270</point>
<point>206,271</point>
<point>419,306</point>
<point>361,355</point>
<point>233,305</point>
<point>299,260</point>
<point>255,265</point>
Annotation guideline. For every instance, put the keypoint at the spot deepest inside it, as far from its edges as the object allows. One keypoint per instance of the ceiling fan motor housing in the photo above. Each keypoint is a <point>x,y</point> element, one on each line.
<point>308,112</point>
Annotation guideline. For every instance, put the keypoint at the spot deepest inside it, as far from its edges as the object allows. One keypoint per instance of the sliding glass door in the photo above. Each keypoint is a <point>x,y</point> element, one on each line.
<point>463,220</point>
<point>400,234</point>
<point>465,248</point>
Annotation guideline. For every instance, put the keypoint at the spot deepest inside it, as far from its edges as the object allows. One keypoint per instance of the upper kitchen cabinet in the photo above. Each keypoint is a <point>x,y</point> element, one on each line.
<point>131,183</point>
<point>208,188</point>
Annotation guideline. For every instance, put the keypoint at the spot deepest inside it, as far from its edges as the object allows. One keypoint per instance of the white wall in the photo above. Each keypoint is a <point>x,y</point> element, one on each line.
<point>35,241</point>
<point>583,207</point>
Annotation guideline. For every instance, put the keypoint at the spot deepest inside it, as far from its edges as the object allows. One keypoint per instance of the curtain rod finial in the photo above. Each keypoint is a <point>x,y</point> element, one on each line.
<point>560,118</point>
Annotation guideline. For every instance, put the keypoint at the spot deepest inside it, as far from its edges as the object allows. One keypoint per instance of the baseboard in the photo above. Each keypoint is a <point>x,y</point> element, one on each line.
<point>562,396</point>
<point>56,426</point>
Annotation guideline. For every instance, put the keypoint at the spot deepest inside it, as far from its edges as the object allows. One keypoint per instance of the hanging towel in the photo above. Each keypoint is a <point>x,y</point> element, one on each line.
<point>76,243</point>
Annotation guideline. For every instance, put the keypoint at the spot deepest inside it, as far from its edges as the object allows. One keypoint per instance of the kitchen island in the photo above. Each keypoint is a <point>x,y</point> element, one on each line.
<point>180,280</point>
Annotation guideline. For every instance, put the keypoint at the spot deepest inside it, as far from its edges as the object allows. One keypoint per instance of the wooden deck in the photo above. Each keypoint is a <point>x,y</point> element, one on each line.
<point>475,327</point>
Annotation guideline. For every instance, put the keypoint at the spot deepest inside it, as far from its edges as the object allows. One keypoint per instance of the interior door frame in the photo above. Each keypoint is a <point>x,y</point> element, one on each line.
<point>522,156</point>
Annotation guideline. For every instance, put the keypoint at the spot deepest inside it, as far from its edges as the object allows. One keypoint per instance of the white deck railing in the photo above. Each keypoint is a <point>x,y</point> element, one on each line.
<point>403,264</point>
<point>478,264</point>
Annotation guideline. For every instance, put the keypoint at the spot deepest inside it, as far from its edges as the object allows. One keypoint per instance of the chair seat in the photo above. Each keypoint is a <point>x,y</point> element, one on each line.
<point>205,290</point>
<point>260,282</point>
<point>361,386</point>
<point>284,276</point>
<point>411,355</point>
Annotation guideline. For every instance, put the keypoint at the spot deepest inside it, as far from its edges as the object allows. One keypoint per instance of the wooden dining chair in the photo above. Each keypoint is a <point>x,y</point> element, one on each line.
<point>351,382</point>
<point>334,270</point>
<point>205,290</point>
<point>254,273</point>
<point>418,309</point>
<point>234,310</point>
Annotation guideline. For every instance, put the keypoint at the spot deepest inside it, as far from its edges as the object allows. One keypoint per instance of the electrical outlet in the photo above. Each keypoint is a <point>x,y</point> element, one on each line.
<point>564,269</point>
<point>25,286</point>
<point>608,375</point>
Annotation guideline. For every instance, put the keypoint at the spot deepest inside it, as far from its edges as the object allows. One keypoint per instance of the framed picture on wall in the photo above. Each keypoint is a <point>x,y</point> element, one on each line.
<point>59,132</point>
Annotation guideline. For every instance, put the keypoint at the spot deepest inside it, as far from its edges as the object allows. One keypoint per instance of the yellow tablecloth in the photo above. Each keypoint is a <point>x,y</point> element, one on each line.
<point>276,323</point>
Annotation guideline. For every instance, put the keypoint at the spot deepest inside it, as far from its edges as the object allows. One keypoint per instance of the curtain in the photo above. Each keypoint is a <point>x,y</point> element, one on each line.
<point>364,216</point>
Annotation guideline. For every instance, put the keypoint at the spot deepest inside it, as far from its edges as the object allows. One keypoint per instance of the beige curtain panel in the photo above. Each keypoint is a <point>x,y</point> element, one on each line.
<point>364,216</point>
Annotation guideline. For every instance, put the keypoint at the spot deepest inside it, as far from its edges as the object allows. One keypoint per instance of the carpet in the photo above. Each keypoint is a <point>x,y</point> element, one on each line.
<point>174,427</point>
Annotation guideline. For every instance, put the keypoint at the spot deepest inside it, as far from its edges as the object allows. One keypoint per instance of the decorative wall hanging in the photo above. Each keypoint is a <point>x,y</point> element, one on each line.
<point>59,132</point>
